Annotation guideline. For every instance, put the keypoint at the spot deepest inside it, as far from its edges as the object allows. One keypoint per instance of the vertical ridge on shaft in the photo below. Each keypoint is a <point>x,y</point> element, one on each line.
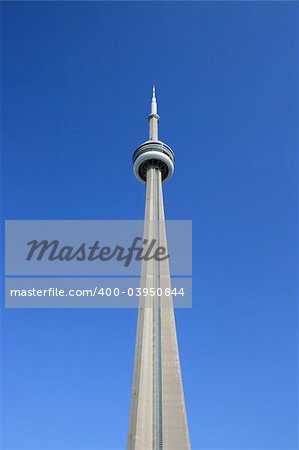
<point>157,325</point>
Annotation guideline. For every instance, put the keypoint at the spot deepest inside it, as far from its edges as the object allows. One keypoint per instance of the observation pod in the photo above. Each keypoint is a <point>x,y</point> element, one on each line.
<point>153,154</point>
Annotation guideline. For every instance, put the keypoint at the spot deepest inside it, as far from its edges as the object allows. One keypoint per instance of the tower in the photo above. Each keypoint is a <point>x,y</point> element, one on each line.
<point>158,418</point>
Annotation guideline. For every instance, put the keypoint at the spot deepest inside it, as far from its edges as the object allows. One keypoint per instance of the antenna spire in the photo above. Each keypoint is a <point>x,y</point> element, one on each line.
<point>153,117</point>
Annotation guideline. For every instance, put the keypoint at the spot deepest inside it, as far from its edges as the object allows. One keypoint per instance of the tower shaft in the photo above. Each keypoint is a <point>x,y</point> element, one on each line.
<point>158,417</point>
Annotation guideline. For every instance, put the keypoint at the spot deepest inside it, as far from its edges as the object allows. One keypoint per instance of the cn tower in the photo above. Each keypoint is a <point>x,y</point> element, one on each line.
<point>158,419</point>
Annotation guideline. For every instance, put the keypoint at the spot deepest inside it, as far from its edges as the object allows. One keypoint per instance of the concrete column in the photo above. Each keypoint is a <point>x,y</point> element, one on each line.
<point>158,417</point>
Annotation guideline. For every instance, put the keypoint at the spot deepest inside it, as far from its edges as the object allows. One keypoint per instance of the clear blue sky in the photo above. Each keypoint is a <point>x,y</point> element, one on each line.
<point>76,80</point>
